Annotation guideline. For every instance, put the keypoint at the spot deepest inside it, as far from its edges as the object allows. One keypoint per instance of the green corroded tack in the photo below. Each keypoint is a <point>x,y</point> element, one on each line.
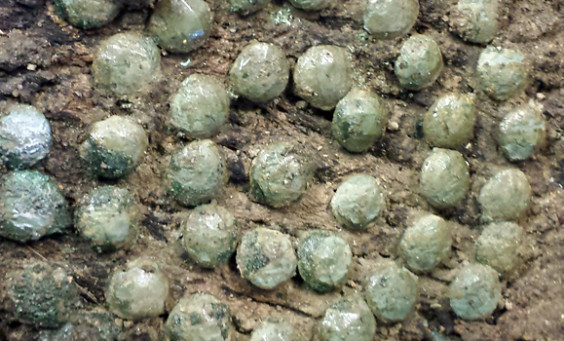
<point>31,206</point>
<point>475,291</point>
<point>115,147</point>
<point>125,64</point>
<point>197,173</point>
<point>40,294</point>
<point>200,107</point>
<point>199,317</point>
<point>323,75</point>
<point>324,260</point>
<point>138,292</point>
<point>274,330</point>
<point>108,217</point>
<point>449,123</point>
<point>497,245</point>
<point>181,26</point>
<point>25,137</point>
<point>358,201</point>
<point>426,243</point>
<point>279,175</point>
<point>389,19</point>
<point>210,235</point>
<point>266,257</point>
<point>522,132</point>
<point>391,291</point>
<point>359,120</point>
<point>311,5</point>
<point>245,7</point>
<point>502,73</point>
<point>445,178</point>
<point>260,72</point>
<point>475,20</point>
<point>420,62</point>
<point>346,320</point>
<point>88,13</point>
<point>97,324</point>
<point>506,196</point>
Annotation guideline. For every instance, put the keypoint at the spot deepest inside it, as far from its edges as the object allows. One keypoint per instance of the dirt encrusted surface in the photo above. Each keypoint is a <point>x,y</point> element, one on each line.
<point>47,63</point>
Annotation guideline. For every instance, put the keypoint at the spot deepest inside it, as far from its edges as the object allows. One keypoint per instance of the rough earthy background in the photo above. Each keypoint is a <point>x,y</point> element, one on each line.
<point>45,62</point>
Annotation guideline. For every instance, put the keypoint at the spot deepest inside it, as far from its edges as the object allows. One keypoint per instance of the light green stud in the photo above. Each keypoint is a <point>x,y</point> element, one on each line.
<point>210,235</point>
<point>323,75</point>
<point>125,64</point>
<point>348,319</point>
<point>115,147</point>
<point>475,292</point>
<point>108,217</point>
<point>358,201</point>
<point>445,178</point>
<point>260,72</point>
<point>181,26</point>
<point>266,257</point>
<point>420,62</point>
<point>273,329</point>
<point>197,173</point>
<point>386,19</point>
<point>391,291</point>
<point>88,14</point>
<point>138,292</point>
<point>506,196</point>
<point>199,317</point>
<point>426,243</point>
<point>359,120</point>
<point>324,261</point>
<point>476,20</point>
<point>502,73</point>
<point>450,121</point>
<point>522,132</point>
<point>200,107</point>
<point>279,175</point>
<point>498,244</point>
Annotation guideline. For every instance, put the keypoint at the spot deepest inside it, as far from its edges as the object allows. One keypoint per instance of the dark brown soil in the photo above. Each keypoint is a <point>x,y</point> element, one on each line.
<point>45,62</point>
